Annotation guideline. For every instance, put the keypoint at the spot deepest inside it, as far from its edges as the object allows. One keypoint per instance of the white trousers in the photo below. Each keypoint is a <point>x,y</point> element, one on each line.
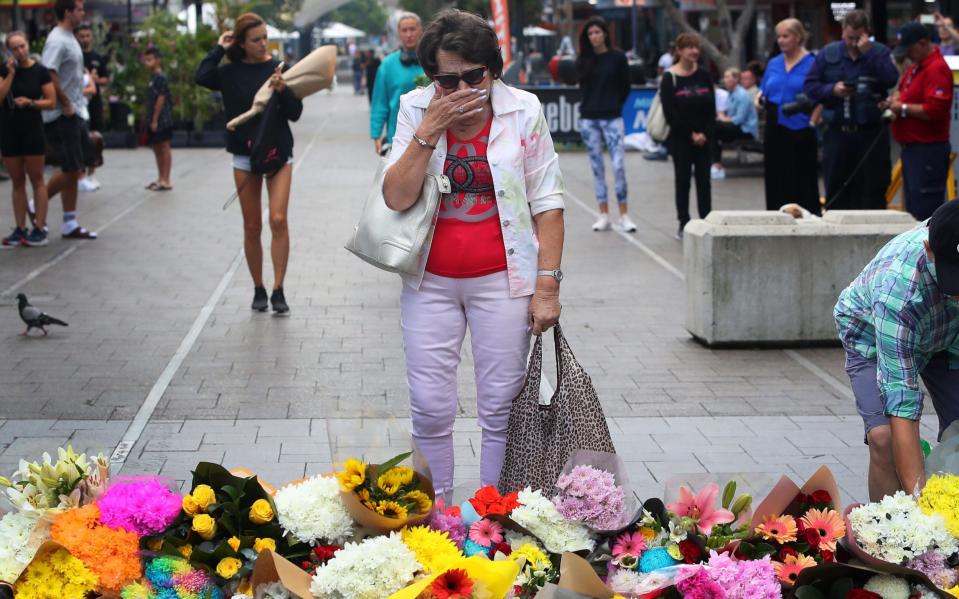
<point>434,321</point>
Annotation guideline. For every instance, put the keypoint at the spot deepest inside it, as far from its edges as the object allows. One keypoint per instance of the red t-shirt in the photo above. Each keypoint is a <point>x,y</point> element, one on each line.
<point>928,84</point>
<point>468,240</point>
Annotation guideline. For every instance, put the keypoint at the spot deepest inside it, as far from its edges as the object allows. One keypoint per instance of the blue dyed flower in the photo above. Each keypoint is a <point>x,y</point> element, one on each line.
<point>654,559</point>
<point>470,548</point>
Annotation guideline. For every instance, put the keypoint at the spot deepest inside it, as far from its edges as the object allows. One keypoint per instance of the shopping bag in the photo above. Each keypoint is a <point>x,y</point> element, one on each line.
<point>541,438</point>
<point>656,124</point>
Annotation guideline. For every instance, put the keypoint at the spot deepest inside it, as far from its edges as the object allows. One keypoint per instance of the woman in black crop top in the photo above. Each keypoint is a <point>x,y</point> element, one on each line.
<point>250,65</point>
<point>689,105</point>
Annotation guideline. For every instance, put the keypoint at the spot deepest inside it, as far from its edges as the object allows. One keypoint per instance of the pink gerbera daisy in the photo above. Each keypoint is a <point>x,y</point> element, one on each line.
<point>486,533</point>
<point>631,543</point>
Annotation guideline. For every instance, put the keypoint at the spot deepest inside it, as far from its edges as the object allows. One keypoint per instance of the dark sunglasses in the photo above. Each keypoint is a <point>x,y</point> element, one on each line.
<point>471,77</point>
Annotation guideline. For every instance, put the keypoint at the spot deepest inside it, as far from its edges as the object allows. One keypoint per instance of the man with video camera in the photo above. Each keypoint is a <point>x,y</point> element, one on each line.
<point>850,78</point>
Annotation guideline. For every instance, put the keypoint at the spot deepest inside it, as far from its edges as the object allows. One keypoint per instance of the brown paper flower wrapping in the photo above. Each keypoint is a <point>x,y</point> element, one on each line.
<point>272,567</point>
<point>367,518</point>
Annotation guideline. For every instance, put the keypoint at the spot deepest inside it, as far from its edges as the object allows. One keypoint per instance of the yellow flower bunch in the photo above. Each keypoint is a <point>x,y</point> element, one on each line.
<point>420,499</point>
<point>199,500</point>
<point>228,567</point>
<point>391,509</point>
<point>352,475</point>
<point>261,544</point>
<point>433,549</point>
<point>941,496</point>
<point>261,512</point>
<point>58,574</point>
<point>536,560</point>
<point>205,526</point>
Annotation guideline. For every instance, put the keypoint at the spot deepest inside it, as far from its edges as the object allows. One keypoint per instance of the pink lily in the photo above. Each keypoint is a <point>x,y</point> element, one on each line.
<point>701,508</point>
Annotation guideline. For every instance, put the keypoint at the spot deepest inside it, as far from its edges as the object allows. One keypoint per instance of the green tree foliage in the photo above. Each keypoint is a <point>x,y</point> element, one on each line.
<point>367,15</point>
<point>279,13</point>
<point>181,53</point>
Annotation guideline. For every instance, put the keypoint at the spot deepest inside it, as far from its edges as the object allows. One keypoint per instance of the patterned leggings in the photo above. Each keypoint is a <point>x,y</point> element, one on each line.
<point>594,131</point>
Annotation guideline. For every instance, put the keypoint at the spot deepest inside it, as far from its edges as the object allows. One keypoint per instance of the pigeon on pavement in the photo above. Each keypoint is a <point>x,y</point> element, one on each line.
<point>35,318</point>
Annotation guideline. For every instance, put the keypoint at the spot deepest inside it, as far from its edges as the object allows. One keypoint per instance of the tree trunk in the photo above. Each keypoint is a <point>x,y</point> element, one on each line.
<point>733,36</point>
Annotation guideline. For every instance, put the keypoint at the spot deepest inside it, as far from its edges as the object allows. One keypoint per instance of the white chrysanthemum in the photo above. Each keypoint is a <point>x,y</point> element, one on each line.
<point>888,586</point>
<point>18,544</point>
<point>623,581</point>
<point>312,511</point>
<point>373,569</point>
<point>271,590</point>
<point>538,515</point>
<point>894,529</point>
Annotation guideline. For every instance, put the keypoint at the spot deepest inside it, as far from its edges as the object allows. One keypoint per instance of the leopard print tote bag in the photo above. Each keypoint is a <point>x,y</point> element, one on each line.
<point>542,437</point>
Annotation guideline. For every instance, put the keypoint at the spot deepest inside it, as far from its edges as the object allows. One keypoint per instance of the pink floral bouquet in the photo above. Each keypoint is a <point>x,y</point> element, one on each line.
<point>141,505</point>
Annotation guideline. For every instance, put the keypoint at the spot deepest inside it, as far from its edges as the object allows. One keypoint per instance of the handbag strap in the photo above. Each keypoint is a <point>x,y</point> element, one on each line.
<point>534,373</point>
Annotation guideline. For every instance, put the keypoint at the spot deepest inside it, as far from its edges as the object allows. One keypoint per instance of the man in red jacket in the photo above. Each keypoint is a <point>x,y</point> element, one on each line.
<point>921,109</point>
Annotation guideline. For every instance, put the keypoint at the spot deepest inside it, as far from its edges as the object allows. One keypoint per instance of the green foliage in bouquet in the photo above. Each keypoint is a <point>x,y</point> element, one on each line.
<point>224,523</point>
<point>181,53</point>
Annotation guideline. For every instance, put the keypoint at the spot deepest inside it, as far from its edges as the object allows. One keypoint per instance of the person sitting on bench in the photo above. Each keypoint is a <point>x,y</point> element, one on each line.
<point>740,120</point>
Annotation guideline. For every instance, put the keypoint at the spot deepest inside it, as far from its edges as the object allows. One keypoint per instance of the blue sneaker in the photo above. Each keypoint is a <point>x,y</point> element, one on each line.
<point>36,238</point>
<point>18,237</point>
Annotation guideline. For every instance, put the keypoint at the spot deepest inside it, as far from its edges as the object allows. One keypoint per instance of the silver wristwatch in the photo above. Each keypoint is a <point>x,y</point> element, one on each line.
<point>556,274</point>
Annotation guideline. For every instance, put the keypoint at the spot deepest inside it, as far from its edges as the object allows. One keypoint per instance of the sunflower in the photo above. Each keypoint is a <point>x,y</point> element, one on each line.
<point>391,509</point>
<point>781,529</point>
<point>352,475</point>
<point>421,499</point>
<point>403,473</point>
<point>829,524</point>
<point>789,570</point>
<point>388,483</point>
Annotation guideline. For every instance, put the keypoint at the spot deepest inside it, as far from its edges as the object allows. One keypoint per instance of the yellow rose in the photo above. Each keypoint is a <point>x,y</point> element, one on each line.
<point>190,506</point>
<point>205,526</point>
<point>352,475</point>
<point>261,544</point>
<point>204,496</point>
<point>228,567</point>
<point>261,512</point>
<point>245,588</point>
<point>234,543</point>
<point>186,551</point>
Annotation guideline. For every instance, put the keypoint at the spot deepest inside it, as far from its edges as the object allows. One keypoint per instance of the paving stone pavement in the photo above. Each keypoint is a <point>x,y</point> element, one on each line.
<point>288,397</point>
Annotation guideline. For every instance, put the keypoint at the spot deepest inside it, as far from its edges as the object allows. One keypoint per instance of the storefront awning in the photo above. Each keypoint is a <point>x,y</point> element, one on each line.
<point>27,4</point>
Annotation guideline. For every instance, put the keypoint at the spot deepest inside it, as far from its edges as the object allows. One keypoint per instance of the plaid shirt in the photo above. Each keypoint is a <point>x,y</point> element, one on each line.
<point>894,312</point>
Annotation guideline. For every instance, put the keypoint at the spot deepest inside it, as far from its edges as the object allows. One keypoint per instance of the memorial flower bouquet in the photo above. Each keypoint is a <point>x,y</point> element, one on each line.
<point>433,549</point>
<point>21,534</point>
<point>847,581</point>
<point>225,522</point>
<point>724,576</point>
<point>387,496</point>
<point>113,554</point>
<point>465,578</point>
<point>73,480</point>
<point>373,569</point>
<point>168,577</point>
<point>449,520</point>
<point>313,512</point>
<point>55,573</point>
<point>896,530</point>
<point>713,524</point>
<point>141,505</point>
<point>542,519</point>
<point>591,496</point>
<point>941,496</point>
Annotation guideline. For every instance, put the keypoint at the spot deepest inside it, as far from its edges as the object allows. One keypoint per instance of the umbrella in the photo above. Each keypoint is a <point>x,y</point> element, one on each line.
<point>315,72</point>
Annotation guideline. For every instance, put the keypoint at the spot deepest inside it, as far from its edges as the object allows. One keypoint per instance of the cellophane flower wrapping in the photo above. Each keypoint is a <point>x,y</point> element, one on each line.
<point>143,505</point>
<point>593,488</point>
<point>894,529</point>
<point>168,577</point>
<point>312,511</point>
<point>21,534</point>
<point>373,569</point>
<point>538,515</point>
<point>112,554</point>
<point>56,575</point>
<point>941,496</point>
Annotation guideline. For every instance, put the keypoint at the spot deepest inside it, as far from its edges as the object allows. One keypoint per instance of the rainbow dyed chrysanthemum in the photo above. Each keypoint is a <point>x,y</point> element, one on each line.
<point>170,577</point>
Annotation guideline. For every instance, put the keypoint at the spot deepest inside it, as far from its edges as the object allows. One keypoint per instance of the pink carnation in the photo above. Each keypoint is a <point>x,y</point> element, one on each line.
<point>144,506</point>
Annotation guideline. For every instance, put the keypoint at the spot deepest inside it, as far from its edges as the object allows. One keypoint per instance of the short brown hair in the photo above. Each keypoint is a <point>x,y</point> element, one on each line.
<point>688,40</point>
<point>856,19</point>
<point>462,33</point>
<point>244,23</point>
<point>16,33</point>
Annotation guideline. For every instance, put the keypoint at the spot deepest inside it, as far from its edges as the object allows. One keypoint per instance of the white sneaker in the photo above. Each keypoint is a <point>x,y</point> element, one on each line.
<point>627,224</point>
<point>86,185</point>
<point>717,172</point>
<point>94,182</point>
<point>602,223</point>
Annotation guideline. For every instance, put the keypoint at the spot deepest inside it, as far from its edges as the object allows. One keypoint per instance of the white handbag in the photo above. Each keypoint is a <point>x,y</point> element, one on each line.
<point>394,240</point>
<point>656,124</point>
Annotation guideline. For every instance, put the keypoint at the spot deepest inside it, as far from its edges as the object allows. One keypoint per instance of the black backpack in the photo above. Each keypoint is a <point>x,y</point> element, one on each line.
<point>268,150</point>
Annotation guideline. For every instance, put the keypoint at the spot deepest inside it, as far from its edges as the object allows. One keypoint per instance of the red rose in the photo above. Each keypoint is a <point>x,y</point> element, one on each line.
<point>821,497</point>
<point>827,556</point>
<point>511,501</point>
<point>862,594</point>
<point>786,552</point>
<point>802,499</point>
<point>812,537</point>
<point>800,526</point>
<point>325,552</point>
<point>306,566</point>
<point>488,501</point>
<point>690,551</point>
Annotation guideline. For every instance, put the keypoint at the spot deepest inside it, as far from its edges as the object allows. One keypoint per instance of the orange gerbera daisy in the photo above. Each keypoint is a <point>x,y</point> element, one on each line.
<point>781,529</point>
<point>788,571</point>
<point>829,524</point>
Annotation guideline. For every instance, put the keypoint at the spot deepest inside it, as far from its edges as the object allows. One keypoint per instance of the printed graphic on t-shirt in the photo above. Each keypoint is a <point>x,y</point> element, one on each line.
<point>472,198</point>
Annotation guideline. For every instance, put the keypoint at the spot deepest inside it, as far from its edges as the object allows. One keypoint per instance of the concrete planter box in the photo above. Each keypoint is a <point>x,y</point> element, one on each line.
<point>757,278</point>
